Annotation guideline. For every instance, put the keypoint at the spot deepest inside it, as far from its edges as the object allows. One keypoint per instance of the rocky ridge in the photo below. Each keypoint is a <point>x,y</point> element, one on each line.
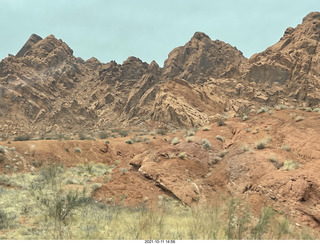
<point>46,89</point>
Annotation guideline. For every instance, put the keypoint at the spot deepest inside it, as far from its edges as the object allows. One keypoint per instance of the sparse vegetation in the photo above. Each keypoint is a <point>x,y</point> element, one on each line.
<point>220,138</point>
<point>262,110</point>
<point>129,141</point>
<point>162,131</point>
<point>190,132</point>
<point>245,148</point>
<point>182,155</point>
<point>22,138</point>
<point>299,118</point>
<point>206,144</point>
<point>77,150</point>
<point>175,141</point>
<point>286,147</point>
<point>123,133</point>
<point>262,143</point>
<point>290,165</point>
<point>206,128</point>
<point>189,139</point>
<point>222,153</point>
<point>221,119</point>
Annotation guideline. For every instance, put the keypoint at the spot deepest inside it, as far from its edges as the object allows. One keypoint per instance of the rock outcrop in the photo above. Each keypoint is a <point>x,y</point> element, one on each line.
<point>201,58</point>
<point>45,88</point>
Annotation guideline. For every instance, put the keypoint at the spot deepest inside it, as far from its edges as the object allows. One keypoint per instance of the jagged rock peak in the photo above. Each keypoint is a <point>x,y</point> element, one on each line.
<point>33,39</point>
<point>201,58</point>
<point>311,16</point>
<point>52,48</point>
<point>199,36</point>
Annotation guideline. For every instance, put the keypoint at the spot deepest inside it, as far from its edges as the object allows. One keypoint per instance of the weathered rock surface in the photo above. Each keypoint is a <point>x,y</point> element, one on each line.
<point>45,85</point>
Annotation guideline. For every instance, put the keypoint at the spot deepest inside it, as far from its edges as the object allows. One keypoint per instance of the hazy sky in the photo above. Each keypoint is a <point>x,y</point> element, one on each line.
<point>148,29</point>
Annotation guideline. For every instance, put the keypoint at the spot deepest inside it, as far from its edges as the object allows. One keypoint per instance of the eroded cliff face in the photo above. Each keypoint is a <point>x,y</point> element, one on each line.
<point>45,88</point>
<point>201,58</point>
<point>293,62</point>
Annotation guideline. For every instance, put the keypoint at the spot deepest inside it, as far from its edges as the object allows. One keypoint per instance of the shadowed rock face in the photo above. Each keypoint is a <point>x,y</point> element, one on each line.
<point>33,39</point>
<point>294,61</point>
<point>201,58</point>
<point>45,88</point>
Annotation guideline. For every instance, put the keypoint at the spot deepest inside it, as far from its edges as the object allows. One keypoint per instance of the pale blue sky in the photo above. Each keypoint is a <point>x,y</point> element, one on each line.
<point>148,29</point>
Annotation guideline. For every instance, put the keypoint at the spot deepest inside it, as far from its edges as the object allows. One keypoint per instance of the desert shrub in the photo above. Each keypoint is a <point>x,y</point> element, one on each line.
<point>263,223</point>
<point>217,159</point>
<point>189,139</point>
<point>129,141</point>
<point>262,110</point>
<point>2,158</point>
<point>103,135</point>
<point>22,138</point>
<point>2,150</point>
<point>77,150</point>
<point>222,153</point>
<point>280,107</point>
<point>262,143</point>
<point>286,147</point>
<point>221,120</point>
<point>206,128</point>
<point>299,118</point>
<point>273,159</point>
<point>123,133</point>
<point>220,138</point>
<point>190,132</point>
<point>243,112</point>
<point>206,144</point>
<point>82,136</point>
<point>293,115</point>
<point>107,142</point>
<point>162,131</point>
<point>290,165</point>
<point>137,139</point>
<point>316,110</point>
<point>6,220</point>
<point>245,148</point>
<point>175,141</point>
<point>123,170</point>
<point>182,155</point>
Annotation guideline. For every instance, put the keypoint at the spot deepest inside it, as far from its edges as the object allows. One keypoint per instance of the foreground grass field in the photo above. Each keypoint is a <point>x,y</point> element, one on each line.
<point>56,203</point>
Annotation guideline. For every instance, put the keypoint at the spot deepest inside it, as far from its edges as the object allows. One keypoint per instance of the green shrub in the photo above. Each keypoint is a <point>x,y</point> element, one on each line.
<point>77,150</point>
<point>82,136</point>
<point>162,131</point>
<point>222,153</point>
<point>273,159</point>
<point>206,144</point>
<point>182,155</point>
<point>221,120</point>
<point>286,147</point>
<point>103,135</point>
<point>299,118</point>
<point>316,110</point>
<point>123,133</point>
<point>190,132</point>
<point>189,139</point>
<point>261,144</point>
<point>2,150</point>
<point>220,138</point>
<point>129,141</point>
<point>2,158</point>
<point>206,128</point>
<point>262,110</point>
<point>175,141</point>
<point>123,170</point>
<point>290,165</point>
<point>6,220</point>
<point>22,138</point>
